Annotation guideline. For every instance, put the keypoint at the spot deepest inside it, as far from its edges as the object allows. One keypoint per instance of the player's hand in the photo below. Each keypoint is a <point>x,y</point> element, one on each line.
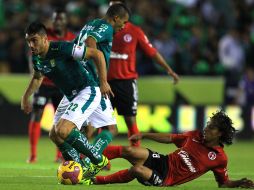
<point>175,77</point>
<point>106,91</point>
<point>246,183</point>
<point>136,137</point>
<point>26,105</point>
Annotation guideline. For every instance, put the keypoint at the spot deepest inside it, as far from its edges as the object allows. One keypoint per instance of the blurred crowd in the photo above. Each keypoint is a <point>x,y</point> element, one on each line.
<point>197,37</point>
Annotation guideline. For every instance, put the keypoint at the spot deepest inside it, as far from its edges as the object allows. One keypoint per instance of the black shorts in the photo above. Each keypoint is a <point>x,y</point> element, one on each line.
<point>44,94</point>
<point>158,163</point>
<point>126,96</point>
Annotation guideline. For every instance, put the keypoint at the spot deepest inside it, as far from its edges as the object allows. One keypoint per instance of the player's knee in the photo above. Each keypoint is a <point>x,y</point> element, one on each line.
<point>113,130</point>
<point>62,130</point>
<point>52,134</point>
<point>136,170</point>
<point>128,151</point>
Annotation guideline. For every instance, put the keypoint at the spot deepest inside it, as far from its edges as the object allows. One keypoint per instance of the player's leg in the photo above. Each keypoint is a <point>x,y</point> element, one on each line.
<point>34,128</point>
<point>137,156</point>
<point>56,97</point>
<point>67,151</point>
<point>146,176</point>
<point>150,168</point>
<point>104,120</point>
<point>88,130</point>
<point>125,101</point>
<point>72,118</point>
<point>130,116</point>
<point>132,128</point>
<point>103,117</point>
<point>153,171</point>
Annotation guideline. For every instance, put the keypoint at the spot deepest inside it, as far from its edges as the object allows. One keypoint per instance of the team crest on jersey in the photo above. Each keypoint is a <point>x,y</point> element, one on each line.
<point>127,38</point>
<point>52,63</point>
<point>212,155</point>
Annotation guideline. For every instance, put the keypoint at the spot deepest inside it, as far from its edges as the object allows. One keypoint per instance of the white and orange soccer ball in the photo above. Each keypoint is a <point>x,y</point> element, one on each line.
<point>69,173</point>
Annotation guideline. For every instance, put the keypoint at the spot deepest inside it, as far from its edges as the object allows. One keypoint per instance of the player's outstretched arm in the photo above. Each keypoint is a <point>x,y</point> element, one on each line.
<point>158,137</point>
<point>161,61</point>
<point>242,183</point>
<point>100,62</point>
<point>34,84</point>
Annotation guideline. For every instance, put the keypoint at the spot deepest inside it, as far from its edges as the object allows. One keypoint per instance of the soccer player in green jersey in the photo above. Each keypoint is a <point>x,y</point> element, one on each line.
<point>61,62</point>
<point>98,33</point>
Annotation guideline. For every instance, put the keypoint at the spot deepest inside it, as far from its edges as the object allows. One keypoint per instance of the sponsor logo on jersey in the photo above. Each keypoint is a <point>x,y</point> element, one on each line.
<point>212,155</point>
<point>127,38</point>
<point>97,34</point>
<point>87,27</point>
<point>114,55</point>
<point>186,159</point>
<point>103,28</point>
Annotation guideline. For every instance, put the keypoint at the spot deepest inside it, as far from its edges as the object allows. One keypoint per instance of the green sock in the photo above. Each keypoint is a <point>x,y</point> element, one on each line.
<point>69,153</point>
<point>102,140</point>
<point>78,141</point>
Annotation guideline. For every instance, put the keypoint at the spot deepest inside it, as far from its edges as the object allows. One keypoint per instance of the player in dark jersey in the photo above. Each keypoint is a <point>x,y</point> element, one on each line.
<point>61,62</point>
<point>197,153</point>
<point>122,73</point>
<point>47,91</point>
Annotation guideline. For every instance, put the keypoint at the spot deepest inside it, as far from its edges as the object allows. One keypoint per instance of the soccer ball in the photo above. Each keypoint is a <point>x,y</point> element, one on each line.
<point>69,173</point>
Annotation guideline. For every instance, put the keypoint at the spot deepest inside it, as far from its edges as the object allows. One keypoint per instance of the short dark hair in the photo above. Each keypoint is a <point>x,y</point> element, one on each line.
<point>36,28</point>
<point>118,9</point>
<point>120,1</point>
<point>221,120</point>
<point>59,10</point>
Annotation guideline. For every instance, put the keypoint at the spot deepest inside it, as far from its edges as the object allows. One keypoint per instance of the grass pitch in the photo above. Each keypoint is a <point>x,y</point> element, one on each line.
<point>16,174</point>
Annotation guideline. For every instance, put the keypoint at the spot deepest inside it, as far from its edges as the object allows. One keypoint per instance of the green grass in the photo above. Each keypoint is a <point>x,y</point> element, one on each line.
<point>15,173</point>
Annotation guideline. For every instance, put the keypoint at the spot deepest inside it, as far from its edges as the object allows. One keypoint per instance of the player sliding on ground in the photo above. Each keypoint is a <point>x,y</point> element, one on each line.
<point>197,153</point>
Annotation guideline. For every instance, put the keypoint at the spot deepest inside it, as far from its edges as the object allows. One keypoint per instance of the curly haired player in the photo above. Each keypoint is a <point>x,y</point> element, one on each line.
<point>198,152</point>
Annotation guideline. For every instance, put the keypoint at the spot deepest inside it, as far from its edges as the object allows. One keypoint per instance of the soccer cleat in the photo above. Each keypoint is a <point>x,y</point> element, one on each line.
<point>93,169</point>
<point>31,160</point>
<point>86,182</point>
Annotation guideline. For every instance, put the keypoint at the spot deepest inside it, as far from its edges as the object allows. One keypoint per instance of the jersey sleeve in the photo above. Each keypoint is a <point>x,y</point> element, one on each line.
<point>180,139</point>
<point>103,33</point>
<point>144,43</point>
<point>78,52</point>
<point>221,173</point>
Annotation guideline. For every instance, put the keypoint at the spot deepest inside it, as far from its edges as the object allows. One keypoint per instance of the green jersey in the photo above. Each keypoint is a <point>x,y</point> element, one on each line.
<point>63,65</point>
<point>102,32</point>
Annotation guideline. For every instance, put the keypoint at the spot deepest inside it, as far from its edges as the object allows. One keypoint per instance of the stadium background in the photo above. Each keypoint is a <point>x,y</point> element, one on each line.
<point>187,33</point>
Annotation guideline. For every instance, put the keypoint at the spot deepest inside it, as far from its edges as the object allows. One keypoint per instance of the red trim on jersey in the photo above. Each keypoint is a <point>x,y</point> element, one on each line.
<point>69,36</point>
<point>193,159</point>
<point>123,53</point>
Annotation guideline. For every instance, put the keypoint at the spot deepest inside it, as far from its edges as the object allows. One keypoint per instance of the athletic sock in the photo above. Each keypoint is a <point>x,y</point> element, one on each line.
<point>58,154</point>
<point>34,131</point>
<point>133,129</point>
<point>69,153</point>
<point>78,141</point>
<point>102,140</point>
<point>112,152</point>
<point>122,176</point>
